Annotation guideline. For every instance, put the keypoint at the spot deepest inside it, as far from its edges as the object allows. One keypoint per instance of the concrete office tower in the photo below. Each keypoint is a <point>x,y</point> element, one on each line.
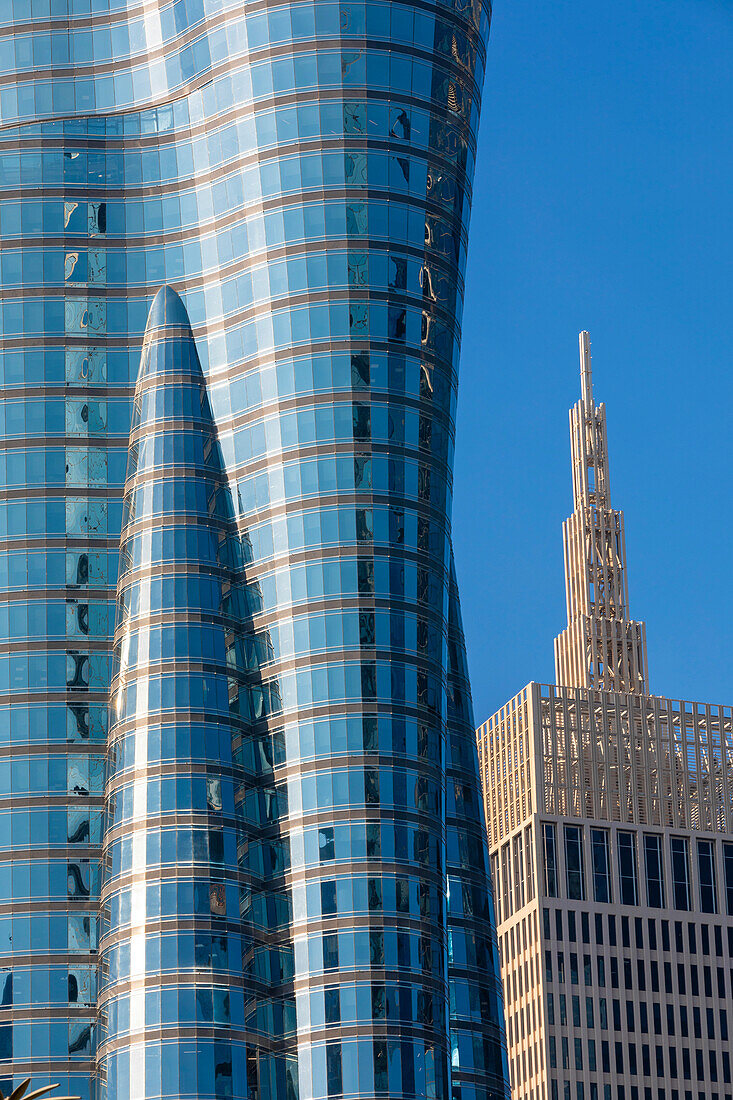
<point>610,818</point>
<point>302,174</point>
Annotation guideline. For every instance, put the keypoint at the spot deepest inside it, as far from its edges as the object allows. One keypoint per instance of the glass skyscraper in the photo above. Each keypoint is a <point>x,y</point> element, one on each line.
<point>288,893</point>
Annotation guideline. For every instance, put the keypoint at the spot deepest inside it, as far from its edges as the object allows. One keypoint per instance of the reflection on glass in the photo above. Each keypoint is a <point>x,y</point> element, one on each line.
<point>574,873</point>
<point>601,865</point>
<point>550,852</point>
<point>706,872</point>
<point>654,870</point>
<point>679,851</point>
<point>627,868</point>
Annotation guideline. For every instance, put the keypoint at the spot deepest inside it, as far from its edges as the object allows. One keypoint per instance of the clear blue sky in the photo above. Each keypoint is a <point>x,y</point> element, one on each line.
<point>602,201</point>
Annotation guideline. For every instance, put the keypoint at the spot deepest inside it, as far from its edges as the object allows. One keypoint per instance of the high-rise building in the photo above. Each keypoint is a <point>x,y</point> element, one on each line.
<point>295,893</point>
<point>610,818</point>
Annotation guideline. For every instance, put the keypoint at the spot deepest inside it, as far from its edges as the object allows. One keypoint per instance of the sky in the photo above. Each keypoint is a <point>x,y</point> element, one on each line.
<point>602,201</point>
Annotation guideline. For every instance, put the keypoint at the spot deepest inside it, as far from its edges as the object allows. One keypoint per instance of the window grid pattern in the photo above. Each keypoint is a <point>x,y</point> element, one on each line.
<point>631,996</point>
<point>179,891</point>
<point>505,761</point>
<point>303,173</point>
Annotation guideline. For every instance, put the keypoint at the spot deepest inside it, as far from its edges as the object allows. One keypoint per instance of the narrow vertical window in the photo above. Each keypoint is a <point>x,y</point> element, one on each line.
<point>334,1085</point>
<point>601,865</point>
<point>680,872</point>
<point>575,879</point>
<point>518,857</point>
<point>496,883</point>
<point>728,868</point>
<point>706,871</point>
<point>627,869</point>
<point>654,870</point>
<point>529,859</point>
<point>550,850</point>
<point>506,881</point>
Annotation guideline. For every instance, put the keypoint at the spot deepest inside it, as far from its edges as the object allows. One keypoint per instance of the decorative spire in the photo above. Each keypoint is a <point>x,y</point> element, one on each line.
<point>601,647</point>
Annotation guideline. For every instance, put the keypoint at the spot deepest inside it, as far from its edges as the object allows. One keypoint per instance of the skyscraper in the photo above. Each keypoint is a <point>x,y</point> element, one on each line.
<point>610,818</point>
<point>307,854</point>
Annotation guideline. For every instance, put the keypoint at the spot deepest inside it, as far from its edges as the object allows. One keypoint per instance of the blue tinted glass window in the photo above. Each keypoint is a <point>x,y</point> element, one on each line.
<point>679,852</point>
<point>550,861</point>
<point>574,872</point>
<point>706,871</point>
<point>601,865</point>
<point>654,871</point>
<point>627,869</point>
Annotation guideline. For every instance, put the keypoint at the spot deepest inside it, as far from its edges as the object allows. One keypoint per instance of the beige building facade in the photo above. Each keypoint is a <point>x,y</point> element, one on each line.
<point>610,821</point>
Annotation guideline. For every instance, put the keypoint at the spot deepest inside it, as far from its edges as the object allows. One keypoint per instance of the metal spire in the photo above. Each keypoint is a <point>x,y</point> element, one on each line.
<point>601,646</point>
<point>586,371</point>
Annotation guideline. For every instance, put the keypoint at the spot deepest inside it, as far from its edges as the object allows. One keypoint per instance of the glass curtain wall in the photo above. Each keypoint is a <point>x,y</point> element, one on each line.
<point>178,990</point>
<point>302,173</point>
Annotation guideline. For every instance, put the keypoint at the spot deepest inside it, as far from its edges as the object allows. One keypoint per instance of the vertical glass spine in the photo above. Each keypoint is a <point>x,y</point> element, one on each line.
<point>479,1065</point>
<point>172,997</point>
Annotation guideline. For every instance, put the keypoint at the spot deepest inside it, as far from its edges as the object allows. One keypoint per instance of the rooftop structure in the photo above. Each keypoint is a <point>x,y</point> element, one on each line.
<point>601,647</point>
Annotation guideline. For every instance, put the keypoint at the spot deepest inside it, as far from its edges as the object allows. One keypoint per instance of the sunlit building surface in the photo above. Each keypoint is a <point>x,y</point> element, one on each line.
<point>610,818</point>
<point>294,884</point>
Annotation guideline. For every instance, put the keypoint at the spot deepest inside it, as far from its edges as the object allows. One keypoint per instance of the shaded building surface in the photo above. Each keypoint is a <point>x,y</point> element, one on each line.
<point>292,806</point>
<point>610,820</point>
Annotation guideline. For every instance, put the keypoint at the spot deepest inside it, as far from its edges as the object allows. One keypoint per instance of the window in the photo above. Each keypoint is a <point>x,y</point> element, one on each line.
<point>706,871</point>
<point>529,853</point>
<point>496,883</point>
<point>627,869</point>
<point>574,862</point>
<point>601,865</point>
<point>379,1058</point>
<point>574,969</point>
<point>728,868</point>
<point>505,880</point>
<point>332,1005</point>
<point>599,927</point>
<point>654,871</point>
<point>680,872</point>
<point>518,862</point>
<point>331,952</point>
<point>550,848</point>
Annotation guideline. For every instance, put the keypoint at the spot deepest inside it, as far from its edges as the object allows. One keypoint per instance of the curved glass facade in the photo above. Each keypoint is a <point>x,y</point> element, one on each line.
<point>302,174</point>
<point>172,996</point>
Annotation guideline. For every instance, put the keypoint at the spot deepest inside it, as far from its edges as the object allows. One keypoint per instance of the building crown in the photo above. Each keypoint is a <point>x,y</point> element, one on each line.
<point>601,647</point>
